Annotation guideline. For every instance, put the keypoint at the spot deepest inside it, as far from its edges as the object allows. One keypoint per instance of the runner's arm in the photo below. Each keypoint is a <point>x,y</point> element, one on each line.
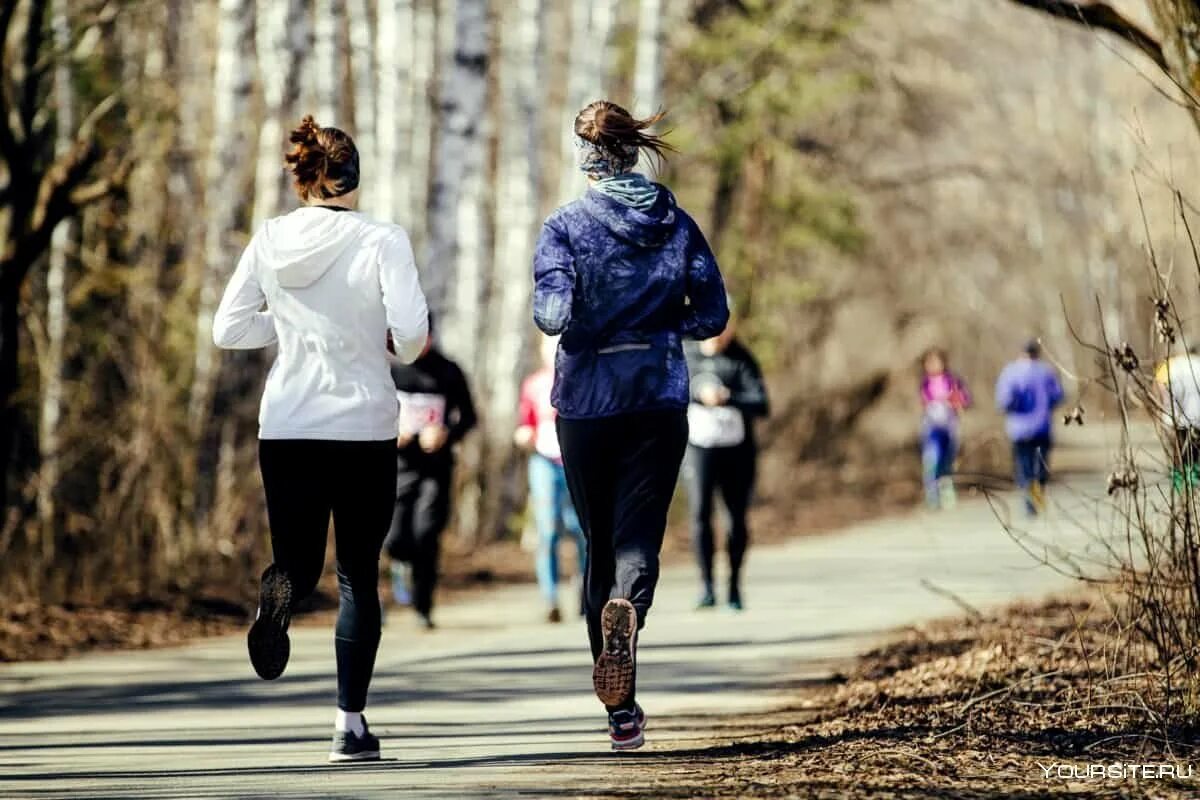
<point>240,323</point>
<point>750,394</point>
<point>460,412</point>
<point>553,280</point>
<point>707,311</point>
<point>403,300</point>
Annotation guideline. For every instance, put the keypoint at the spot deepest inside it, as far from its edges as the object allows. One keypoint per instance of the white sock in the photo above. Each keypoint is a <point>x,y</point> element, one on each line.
<point>350,721</point>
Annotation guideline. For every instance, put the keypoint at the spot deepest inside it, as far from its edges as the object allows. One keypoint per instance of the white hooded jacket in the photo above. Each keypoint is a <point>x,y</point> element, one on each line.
<point>334,283</point>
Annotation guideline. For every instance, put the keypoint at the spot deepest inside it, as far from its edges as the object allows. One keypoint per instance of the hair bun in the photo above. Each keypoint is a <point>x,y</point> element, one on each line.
<point>306,132</point>
<point>324,161</point>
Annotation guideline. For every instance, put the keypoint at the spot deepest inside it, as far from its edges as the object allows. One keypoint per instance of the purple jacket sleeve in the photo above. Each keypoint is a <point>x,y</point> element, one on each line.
<point>707,312</point>
<point>1004,391</point>
<point>553,280</point>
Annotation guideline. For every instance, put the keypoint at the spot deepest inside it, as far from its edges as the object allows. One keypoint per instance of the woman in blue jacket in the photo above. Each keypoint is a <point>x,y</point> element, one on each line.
<point>624,275</point>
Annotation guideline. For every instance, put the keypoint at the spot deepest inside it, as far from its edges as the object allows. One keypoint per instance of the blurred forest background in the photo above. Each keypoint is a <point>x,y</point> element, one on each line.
<point>876,176</point>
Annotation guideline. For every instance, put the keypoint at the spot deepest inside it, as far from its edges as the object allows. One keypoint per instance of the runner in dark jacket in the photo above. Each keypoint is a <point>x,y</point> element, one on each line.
<point>436,412</point>
<point>727,396</point>
<point>625,275</point>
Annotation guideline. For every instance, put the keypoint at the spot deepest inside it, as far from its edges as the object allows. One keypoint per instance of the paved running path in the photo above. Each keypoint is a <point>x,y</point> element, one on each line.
<point>496,703</point>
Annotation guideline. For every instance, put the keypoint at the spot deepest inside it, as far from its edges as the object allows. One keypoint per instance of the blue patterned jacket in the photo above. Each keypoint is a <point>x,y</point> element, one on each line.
<point>624,288</point>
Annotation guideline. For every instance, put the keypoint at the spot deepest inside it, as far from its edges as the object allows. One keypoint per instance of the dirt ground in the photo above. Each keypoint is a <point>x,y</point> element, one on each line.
<point>958,709</point>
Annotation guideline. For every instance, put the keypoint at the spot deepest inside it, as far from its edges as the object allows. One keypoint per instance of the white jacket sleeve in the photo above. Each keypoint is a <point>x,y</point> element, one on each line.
<point>239,323</point>
<point>407,314</point>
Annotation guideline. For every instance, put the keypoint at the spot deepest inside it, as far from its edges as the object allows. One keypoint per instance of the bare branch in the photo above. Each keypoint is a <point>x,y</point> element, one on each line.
<point>1102,17</point>
<point>34,33</point>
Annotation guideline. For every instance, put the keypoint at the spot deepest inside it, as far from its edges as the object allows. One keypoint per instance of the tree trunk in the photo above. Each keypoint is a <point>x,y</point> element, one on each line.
<point>328,60</point>
<point>10,295</point>
<point>362,68</point>
<point>283,40</point>
<point>228,164</point>
<point>459,152</point>
<point>591,31</point>
<point>517,222</point>
<point>424,56</point>
<point>56,297</point>
<point>394,54</point>
<point>647,78</point>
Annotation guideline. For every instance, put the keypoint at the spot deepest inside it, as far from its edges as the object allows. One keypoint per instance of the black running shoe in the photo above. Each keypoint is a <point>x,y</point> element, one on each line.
<point>268,641</point>
<point>613,675</point>
<point>348,746</point>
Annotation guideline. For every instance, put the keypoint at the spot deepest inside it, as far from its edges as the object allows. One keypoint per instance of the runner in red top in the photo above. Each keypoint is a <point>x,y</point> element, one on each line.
<point>554,515</point>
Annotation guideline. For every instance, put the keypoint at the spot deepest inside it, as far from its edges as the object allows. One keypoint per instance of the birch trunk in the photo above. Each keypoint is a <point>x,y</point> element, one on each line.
<point>283,38</point>
<point>394,55</point>
<point>516,212</point>
<point>591,33</point>
<point>516,223</point>
<point>459,152</point>
<point>362,68</point>
<point>328,60</point>
<point>56,278</point>
<point>424,55</point>
<point>647,78</point>
<point>227,166</point>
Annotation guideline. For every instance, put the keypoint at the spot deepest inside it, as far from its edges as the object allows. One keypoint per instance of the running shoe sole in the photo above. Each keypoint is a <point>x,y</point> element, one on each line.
<point>612,677</point>
<point>341,758</point>
<point>632,744</point>
<point>268,641</point>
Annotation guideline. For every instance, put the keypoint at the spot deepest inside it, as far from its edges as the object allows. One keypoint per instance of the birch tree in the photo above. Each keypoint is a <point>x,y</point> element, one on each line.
<point>362,69</point>
<point>517,207</point>
<point>328,59</point>
<point>392,197</point>
<point>516,222</point>
<point>56,277</point>
<point>647,76</point>
<point>421,137</point>
<point>282,40</point>
<point>591,33</point>
<point>459,153</point>
<point>225,171</point>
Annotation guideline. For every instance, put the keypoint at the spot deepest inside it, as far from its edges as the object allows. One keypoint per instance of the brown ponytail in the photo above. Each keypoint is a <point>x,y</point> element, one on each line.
<point>611,127</point>
<point>324,161</point>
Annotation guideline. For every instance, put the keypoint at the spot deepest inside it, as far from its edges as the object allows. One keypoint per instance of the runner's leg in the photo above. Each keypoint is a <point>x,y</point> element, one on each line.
<point>431,513</point>
<point>587,459</point>
<point>700,476</point>
<point>736,480</point>
<point>362,509</point>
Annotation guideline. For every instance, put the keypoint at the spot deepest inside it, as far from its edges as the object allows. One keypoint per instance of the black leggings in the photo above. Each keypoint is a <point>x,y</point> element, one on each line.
<point>421,512</point>
<point>729,470</point>
<point>306,481</point>
<point>621,472</point>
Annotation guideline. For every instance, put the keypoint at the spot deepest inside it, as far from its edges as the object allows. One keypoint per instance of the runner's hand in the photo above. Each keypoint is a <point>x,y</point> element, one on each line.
<point>714,395</point>
<point>404,440</point>
<point>433,438</point>
<point>523,438</point>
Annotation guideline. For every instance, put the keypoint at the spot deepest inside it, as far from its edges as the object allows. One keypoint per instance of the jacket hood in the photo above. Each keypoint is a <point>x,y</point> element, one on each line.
<point>650,228</point>
<point>301,246</point>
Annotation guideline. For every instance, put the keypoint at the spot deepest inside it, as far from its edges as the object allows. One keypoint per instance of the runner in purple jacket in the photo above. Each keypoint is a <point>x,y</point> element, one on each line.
<point>1028,391</point>
<point>625,276</point>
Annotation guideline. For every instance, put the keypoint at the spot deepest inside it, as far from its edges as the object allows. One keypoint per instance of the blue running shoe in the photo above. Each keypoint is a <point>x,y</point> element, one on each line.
<point>626,729</point>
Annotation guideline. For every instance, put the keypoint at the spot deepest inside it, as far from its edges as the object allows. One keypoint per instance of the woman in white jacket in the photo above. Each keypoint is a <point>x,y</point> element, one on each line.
<point>338,288</point>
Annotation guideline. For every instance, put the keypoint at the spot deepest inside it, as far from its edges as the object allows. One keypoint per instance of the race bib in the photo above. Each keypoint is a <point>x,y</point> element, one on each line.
<point>715,426</point>
<point>419,410</point>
